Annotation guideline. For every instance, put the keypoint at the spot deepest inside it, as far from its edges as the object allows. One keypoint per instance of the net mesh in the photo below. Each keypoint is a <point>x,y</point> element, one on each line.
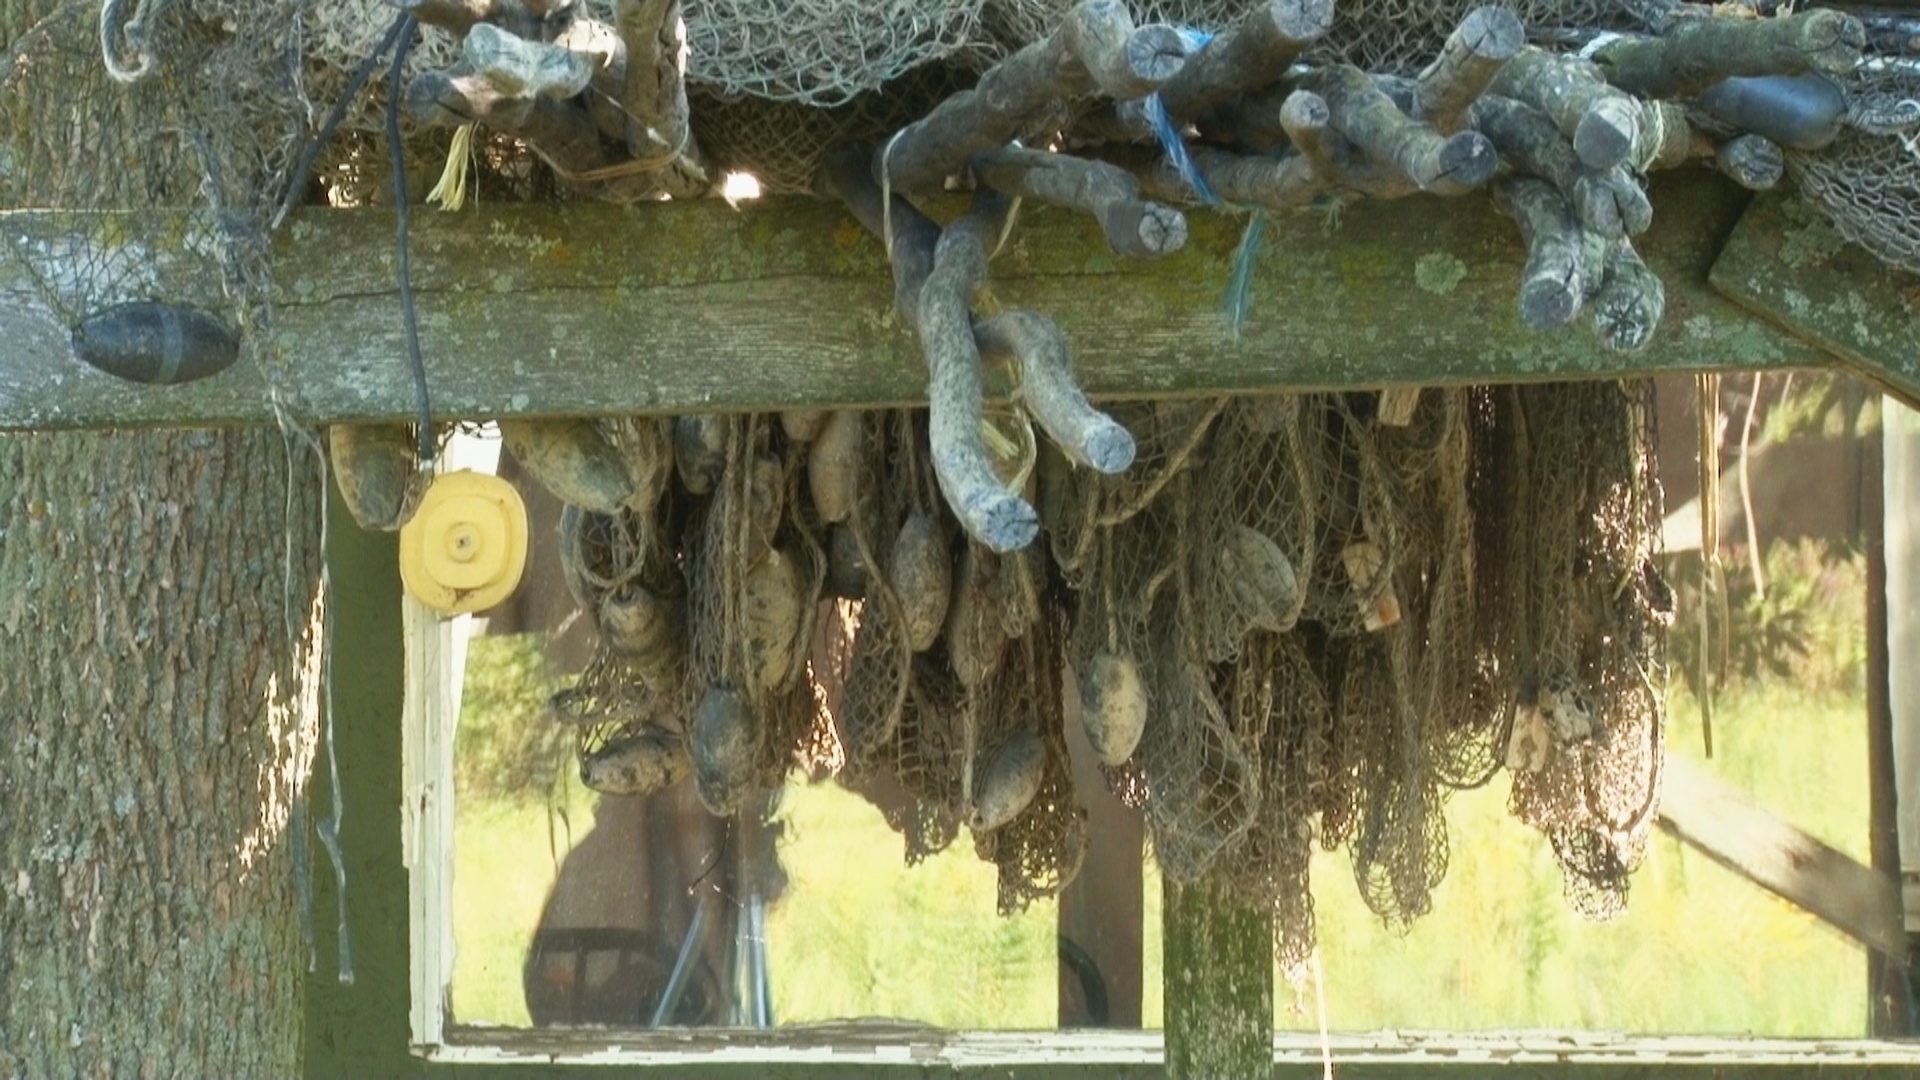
<point>1868,182</point>
<point>210,131</point>
<point>1448,581</point>
<point>1462,562</point>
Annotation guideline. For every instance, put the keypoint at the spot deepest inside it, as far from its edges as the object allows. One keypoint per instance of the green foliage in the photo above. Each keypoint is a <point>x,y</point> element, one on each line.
<point>1806,626</point>
<point>1698,950</point>
<point>1826,404</point>
<point>506,750</point>
<point>859,933</point>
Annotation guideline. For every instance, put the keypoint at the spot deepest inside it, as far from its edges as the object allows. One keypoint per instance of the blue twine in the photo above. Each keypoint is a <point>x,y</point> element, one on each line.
<point>1169,136</point>
<point>1176,150</point>
<point>1239,298</point>
<point>1239,295</point>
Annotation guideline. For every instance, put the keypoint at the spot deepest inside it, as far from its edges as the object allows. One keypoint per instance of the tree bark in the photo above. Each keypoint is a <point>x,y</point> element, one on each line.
<point>156,724</point>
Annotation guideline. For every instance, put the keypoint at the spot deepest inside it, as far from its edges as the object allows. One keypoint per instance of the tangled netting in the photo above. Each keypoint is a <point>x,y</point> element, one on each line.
<point>192,114</point>
<point>1475,588</point>
<point>1868,182</point>
<point>1474,591</point>
<point>226,91</point>
<point>1291,621</point>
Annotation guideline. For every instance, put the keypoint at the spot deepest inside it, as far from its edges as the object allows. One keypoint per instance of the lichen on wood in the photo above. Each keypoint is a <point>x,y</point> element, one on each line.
<point>1473,55</point>
<point>1552,286</point>
<point>1096,49</point>
<point>1609,201</point>
<point>1603,122</point>
<point>1700,50</point>
<point>936,275</point>
<point>987,509</point>
<point>1368,118</point>
<point>1218,964</point>
<point>1252,53</point>
<point>1631,299</point>
<point>1132,225</point>
<point>1085,434</point>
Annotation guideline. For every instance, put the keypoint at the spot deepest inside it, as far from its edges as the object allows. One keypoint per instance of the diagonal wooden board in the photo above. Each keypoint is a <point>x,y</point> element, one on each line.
<point>1778,856</point>
<point>679,307</point>
<point>1786,264</point>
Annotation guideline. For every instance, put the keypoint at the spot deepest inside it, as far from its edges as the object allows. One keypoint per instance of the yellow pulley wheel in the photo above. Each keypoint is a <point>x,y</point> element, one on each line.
<point>465,547</point>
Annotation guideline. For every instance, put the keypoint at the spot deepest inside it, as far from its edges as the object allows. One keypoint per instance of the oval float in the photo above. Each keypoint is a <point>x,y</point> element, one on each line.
<point>156,344</point>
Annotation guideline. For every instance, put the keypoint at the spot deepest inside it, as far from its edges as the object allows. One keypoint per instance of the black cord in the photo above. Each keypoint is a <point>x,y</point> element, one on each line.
<point>408,25</point>
<point>310,153</point>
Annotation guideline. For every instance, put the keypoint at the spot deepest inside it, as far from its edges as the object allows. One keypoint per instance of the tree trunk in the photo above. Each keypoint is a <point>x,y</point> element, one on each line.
<point>156,723</point>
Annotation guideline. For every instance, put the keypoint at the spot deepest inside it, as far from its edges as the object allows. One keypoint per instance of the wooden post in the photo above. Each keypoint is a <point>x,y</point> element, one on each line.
<point>361,1030</point>
<point>1886,480</point>
<point>1218,971</point>
<point>1102,909</point>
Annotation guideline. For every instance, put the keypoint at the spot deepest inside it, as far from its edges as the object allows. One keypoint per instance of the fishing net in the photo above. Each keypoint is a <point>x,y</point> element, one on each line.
<point>1341,606</point>
<point>192,116</point>
<point>822,52</point>
<point>781,142</point>
<point>1039,850</point>
<point>878,663</point>
<point>1434,536</point>
<point>732,574</point>
<point>1868,181</point>
<point>755,572</point>
<point>1585,729</point>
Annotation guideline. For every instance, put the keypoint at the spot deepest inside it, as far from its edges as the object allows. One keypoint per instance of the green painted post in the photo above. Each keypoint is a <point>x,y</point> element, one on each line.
<point>1218,972</point>
<point>361,1030</point>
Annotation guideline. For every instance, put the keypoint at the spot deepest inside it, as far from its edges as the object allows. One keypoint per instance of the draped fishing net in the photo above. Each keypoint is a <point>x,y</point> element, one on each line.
<point>170,105</point>
<point>1868,181</point>
<point>1342,605</point>
<point>1470,573</point>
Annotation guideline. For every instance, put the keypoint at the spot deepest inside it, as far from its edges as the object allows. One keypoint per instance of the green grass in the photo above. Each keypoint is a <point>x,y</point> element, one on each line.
<point>1698,950</point>
<point>862,934</point>
<point>503,868</point>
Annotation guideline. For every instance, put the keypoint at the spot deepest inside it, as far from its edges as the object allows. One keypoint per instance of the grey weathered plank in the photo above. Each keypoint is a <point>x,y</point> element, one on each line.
<point>1788,265</point>
<point>852,1052</point>
<point>1781,858</point>
<point>588,309</point>
<point>1218,977</point>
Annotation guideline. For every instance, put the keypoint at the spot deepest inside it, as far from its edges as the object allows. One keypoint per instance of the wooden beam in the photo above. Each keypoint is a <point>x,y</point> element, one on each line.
<point>877,1050</point>
<point>1217,965</point>
<point>1102,909</point>
<point>362,1030</point>
<point>1776,855</point>
<point>1785,263</point>
<point>693,306</point>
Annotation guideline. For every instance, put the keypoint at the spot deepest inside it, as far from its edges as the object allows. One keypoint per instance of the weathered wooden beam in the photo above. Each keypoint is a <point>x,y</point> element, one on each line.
<point>871,1050</point>
<point>1218,970</point>
<point>695,307</point>
<point>1786,264</point>
<point>1778,856</point>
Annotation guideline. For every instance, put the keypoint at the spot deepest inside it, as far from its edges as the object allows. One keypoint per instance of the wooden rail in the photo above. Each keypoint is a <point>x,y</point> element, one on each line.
<point>677,307</point>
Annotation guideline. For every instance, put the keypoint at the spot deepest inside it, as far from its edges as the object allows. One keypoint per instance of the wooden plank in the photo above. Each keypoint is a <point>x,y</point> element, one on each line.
<point>429,714</point>
<point>1102,909</point>
<point>1776,855</point>
<point>852,1052</point>
<point>589,309</point>
<point>1218,970</point>
<point>1785,263</point>
<point>362,1029</point>
<point>1890,462</point>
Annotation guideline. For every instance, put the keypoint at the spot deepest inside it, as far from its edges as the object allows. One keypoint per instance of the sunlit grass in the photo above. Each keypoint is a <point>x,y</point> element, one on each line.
<point>858,933</point>
<point>1699,949</point>
<point>862,934</point>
